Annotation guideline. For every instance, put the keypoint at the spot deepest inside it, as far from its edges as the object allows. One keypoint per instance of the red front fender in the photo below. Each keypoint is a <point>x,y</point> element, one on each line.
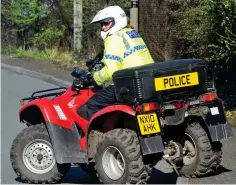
<point>45,108</point>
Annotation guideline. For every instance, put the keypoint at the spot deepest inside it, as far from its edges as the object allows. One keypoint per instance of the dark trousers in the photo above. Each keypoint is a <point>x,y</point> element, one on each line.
<point>100,100</point>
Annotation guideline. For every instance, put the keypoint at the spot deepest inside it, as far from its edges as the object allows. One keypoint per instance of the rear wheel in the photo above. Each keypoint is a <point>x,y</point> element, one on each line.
<point>33,159</point>
<point>200,156</point>
<point>118,158</point>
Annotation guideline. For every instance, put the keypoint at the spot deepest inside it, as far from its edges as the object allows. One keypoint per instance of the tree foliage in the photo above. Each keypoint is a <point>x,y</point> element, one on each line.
<point>24,12</point>
<point>224,30</point>
<point>47,37</point>
<point>207,28</point>
<point>40,23</point>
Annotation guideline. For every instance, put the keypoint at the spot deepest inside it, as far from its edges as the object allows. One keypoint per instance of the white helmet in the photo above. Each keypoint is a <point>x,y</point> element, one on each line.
<point>111,13</point>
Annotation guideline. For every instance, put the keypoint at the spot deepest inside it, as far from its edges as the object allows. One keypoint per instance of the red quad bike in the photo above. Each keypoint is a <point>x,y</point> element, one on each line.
<point>166,110</point>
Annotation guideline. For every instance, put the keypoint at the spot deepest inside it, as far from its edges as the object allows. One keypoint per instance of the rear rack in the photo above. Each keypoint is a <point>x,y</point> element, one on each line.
<point>33,96</point>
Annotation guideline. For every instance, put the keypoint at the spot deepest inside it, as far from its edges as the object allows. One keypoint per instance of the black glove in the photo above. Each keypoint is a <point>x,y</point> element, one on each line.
<point>89,63</point>
<point>83,78</point>
<point>90,80</point>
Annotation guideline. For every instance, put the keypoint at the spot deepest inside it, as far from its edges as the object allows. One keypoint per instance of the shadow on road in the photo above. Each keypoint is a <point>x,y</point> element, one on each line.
<point>78,176</point>
<point>219,171</point>
<point>159,177</point>
<point>222,170</point>
<point>74,176</point>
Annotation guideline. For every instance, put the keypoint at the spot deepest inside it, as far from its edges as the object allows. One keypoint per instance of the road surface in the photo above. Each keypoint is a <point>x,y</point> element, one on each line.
<point>18,83</point>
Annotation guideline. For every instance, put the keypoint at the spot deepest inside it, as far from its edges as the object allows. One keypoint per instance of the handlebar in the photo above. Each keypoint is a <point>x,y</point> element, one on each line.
<point>82,77</point>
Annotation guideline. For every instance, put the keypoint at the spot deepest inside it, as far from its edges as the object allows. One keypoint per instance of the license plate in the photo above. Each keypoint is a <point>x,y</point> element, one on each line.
<point>176,81</point>
<point>148,123</point>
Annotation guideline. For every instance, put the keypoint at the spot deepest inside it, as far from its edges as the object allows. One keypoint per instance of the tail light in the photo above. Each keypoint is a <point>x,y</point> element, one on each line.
<point>147,107</point>
<point>208,97</point>
<point>150,107</point>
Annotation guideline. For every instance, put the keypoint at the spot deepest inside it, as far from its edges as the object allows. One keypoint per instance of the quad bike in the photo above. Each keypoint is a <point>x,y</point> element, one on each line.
<point>172,113</point>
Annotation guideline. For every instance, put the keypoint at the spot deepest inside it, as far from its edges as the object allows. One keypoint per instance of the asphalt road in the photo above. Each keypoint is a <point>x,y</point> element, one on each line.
<point>18,83</point>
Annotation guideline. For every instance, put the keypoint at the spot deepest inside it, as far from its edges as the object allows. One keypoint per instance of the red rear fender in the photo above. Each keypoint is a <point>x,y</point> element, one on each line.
<point>122,108</point>
<point>108,117</point>
<point>111,113</point>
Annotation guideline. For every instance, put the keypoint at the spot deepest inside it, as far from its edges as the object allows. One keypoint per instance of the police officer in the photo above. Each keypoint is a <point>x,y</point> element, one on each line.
<point>124,48</point>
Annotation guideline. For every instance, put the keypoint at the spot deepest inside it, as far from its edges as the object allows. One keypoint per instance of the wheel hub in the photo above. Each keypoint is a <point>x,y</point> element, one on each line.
<point>38,156</point>
<point>113,163</point>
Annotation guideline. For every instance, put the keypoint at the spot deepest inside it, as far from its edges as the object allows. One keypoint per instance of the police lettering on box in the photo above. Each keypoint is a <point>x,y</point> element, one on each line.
<point>176,81</point>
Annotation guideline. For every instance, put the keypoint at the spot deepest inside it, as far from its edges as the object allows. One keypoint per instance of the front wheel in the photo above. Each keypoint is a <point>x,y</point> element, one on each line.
<point>33,159</point>
<point>118,158</point>
<point>200,156</point>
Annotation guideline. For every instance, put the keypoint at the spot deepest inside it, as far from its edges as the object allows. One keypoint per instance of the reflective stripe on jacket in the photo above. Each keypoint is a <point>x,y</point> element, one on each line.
<point>123,49</point>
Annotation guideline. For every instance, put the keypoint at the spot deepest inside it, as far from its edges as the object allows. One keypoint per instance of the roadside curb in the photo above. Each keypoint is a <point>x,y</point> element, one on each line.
<point>34,74</point>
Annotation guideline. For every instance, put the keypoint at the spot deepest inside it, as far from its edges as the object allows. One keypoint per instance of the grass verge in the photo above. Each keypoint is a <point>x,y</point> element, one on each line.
<point>231,117</point>
<point>62,59</point>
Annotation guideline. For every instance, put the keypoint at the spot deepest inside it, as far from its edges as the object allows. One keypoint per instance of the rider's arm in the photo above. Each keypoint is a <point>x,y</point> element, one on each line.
<point>112,59</point>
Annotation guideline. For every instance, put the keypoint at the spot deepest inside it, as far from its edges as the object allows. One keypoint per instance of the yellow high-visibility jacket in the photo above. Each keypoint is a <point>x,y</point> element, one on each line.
<point>123,49</point>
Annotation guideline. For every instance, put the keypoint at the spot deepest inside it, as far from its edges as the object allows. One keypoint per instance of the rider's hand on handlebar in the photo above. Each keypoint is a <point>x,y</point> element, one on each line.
<point>91,81</point>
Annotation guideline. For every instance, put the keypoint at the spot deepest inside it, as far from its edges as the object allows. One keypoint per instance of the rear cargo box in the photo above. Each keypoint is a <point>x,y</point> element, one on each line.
<point>152,81</point>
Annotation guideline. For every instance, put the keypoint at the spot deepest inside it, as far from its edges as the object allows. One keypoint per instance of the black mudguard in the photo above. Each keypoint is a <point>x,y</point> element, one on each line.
<point>151,145</point>
<point>220,132</point>
<point>66,145</point>
<point>217,124</point>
